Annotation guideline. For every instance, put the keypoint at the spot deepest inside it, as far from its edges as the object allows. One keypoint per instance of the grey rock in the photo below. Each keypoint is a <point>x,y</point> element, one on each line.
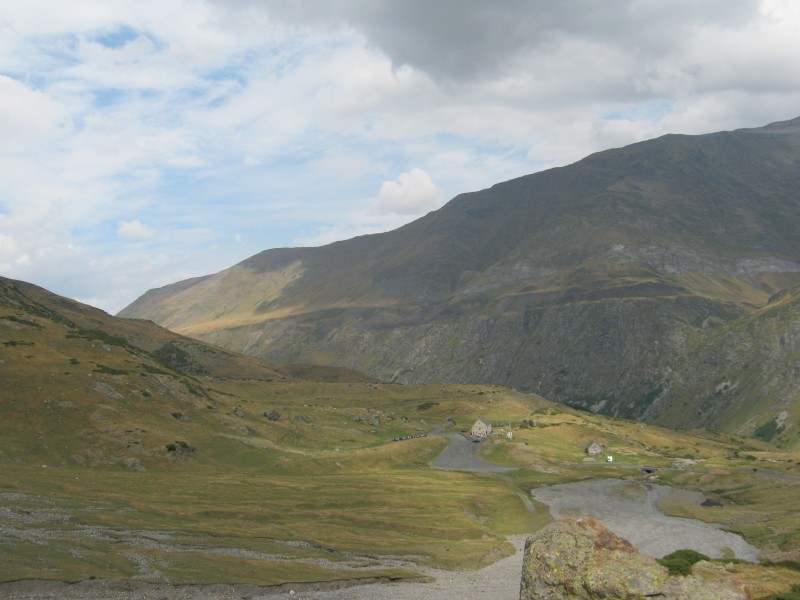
<point>272,415</point>
<point>582,559</point>
<point>107,390</point>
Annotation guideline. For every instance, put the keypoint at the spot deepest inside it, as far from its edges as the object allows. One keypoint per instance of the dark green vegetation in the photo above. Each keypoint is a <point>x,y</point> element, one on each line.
<point>655,281</point>
<point>792,594</point>
<point>680,562</point>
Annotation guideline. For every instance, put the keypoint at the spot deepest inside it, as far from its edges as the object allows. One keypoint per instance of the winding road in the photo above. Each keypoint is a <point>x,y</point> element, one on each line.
<point>461,455</point>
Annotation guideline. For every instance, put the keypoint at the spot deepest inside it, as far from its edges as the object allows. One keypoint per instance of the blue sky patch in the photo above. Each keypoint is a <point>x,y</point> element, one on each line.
<point>117,38</point>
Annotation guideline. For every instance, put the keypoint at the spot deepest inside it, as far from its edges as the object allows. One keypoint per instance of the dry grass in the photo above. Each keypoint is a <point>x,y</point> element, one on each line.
<point>81,412</point>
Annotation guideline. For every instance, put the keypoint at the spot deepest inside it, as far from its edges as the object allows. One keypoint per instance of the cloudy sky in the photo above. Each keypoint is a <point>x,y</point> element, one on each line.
<point>147,141</point>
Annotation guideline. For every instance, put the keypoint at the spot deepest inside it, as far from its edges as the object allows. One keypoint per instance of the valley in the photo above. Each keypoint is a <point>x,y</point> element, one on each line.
<point>658,282</point>
<point>117,467</point>
<point>301,421</point>
<point>385,300</point>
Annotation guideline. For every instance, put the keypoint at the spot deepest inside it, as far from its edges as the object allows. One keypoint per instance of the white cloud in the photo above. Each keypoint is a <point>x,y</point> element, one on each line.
<point>28,118</point>
<point>412,193</point>
<point>135,230</point>
<point>344,165</point>
<point>246,125</point>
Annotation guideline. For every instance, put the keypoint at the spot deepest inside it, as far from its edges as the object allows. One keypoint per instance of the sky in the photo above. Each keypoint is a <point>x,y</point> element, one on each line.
<point>143,142</point>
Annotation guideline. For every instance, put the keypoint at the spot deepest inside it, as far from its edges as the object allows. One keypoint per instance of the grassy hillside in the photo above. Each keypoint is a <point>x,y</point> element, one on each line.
<point>114,462</point>
<point>107,445</point>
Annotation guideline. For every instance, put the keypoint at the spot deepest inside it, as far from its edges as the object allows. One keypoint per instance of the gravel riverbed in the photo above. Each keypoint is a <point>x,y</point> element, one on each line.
<point>630,509</point>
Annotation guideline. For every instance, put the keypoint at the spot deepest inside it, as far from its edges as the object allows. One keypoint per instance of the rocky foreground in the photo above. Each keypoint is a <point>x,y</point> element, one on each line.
<point>572,559</point>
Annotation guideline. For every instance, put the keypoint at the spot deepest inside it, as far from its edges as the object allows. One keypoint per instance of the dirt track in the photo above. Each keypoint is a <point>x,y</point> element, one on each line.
<point>461,455</point>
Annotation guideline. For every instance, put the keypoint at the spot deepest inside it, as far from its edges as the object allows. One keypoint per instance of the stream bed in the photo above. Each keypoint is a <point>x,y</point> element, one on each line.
<point>630,509</point>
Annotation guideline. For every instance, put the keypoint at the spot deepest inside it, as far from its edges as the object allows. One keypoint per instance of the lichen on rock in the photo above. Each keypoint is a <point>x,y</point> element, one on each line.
<point>583,559</point>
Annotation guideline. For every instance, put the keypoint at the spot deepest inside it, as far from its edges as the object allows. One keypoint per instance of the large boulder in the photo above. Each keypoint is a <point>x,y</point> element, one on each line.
<point>581,558</point>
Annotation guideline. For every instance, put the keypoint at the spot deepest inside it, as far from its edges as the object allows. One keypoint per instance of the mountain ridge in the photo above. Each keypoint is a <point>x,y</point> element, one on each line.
<point>577,282</point>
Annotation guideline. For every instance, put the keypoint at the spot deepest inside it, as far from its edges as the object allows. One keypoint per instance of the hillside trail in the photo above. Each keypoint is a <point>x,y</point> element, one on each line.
<point>461,454</point>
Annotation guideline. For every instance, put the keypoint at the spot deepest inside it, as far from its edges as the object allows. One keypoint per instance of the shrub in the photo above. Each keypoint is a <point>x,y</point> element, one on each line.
<point>680,562</point>
<point>153,370</point>
<point>196,390</point>
<point>100,336</point>
<point>426,405</point>
<point>272,415</point>
<point>18,343</point>
<point>792,594</point>
<point>175,357</point>
<point>786,564</point>
<point>180,447</point>
<point>768,431</point>
<point>108,370</point>
<point>22,321</point>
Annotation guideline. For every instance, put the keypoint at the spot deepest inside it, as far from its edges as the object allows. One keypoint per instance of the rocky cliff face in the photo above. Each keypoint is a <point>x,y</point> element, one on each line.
<point>743,375</point>
<point>574,559</point>
<point>592,284</point>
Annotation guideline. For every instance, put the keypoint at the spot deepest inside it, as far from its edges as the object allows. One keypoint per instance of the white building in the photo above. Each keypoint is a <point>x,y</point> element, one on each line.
<point>482,428</point>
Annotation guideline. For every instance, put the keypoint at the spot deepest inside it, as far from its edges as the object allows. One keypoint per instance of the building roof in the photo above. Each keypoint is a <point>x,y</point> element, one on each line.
<point>484,421</point>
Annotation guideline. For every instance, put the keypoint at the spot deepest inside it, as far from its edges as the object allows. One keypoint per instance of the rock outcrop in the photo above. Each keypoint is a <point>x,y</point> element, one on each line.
<point>581,558</point>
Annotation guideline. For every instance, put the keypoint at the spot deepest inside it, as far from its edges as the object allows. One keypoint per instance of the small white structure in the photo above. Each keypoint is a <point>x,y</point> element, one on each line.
<point>482,428</point>
<point>510,435</point>
<point>610,458</point>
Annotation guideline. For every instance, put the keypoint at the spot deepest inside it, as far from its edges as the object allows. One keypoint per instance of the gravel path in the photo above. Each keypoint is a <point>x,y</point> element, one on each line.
<point>499,581</point>
<point>461,455</point>
<point>630,510</point>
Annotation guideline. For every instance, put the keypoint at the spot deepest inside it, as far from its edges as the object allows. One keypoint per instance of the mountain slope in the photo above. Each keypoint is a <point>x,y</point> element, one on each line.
<point>743,376</point>
<point>580,283</point>
<point>78,385</point>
